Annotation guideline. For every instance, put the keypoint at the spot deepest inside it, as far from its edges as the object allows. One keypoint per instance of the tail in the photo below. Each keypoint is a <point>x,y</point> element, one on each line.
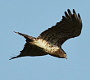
<point>27,37</point>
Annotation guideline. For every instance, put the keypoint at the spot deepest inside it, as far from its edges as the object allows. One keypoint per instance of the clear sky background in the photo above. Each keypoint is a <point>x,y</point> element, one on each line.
<point>32,17</point>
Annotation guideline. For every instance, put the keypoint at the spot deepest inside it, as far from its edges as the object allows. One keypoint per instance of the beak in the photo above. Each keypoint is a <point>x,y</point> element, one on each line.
<point>66,57</point>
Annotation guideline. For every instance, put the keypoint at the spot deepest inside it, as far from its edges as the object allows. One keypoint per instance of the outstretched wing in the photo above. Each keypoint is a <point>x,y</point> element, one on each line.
<point>29,49</point>
<point>69,27</point>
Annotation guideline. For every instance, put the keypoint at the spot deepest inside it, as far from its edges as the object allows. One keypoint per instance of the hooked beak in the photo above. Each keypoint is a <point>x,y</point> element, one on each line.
<point>66,57</point>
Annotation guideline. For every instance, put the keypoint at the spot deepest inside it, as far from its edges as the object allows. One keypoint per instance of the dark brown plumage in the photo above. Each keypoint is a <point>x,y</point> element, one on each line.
<point>50,41</point>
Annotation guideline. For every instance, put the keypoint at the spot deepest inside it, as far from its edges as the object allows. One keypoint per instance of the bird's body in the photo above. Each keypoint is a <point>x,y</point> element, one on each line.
<point>51,40</point>
<point>48,47</point>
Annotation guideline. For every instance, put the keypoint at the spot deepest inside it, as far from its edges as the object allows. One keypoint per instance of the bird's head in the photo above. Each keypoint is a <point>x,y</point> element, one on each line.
<point>62,54</point>
<point>65,55</point>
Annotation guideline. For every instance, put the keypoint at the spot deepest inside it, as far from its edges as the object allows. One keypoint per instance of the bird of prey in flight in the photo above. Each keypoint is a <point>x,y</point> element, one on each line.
<point>51,40</point>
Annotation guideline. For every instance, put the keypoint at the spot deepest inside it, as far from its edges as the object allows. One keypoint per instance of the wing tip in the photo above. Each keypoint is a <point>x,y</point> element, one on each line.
<point>68,10</point>
<point>16,32</point>
<point>74,11</point>
<point>79,16</point>
<point>66,14</point>
<point>14,57</point>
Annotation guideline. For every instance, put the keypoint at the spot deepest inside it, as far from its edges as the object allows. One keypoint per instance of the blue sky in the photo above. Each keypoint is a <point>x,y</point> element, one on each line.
<point>32,17</point>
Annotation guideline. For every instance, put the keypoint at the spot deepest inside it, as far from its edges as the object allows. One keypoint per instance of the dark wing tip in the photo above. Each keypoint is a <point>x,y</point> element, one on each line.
<point>16,32</point>
<point>66,14</point>
<point>12,58</point>
<point>15,57</point>
<point>69,14</point>
<point>74,14</point>
<point>63,17</point>
<point>74,11</point>
<point>68,10</point>
<point>75,19</point>
<point>79,16</point>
